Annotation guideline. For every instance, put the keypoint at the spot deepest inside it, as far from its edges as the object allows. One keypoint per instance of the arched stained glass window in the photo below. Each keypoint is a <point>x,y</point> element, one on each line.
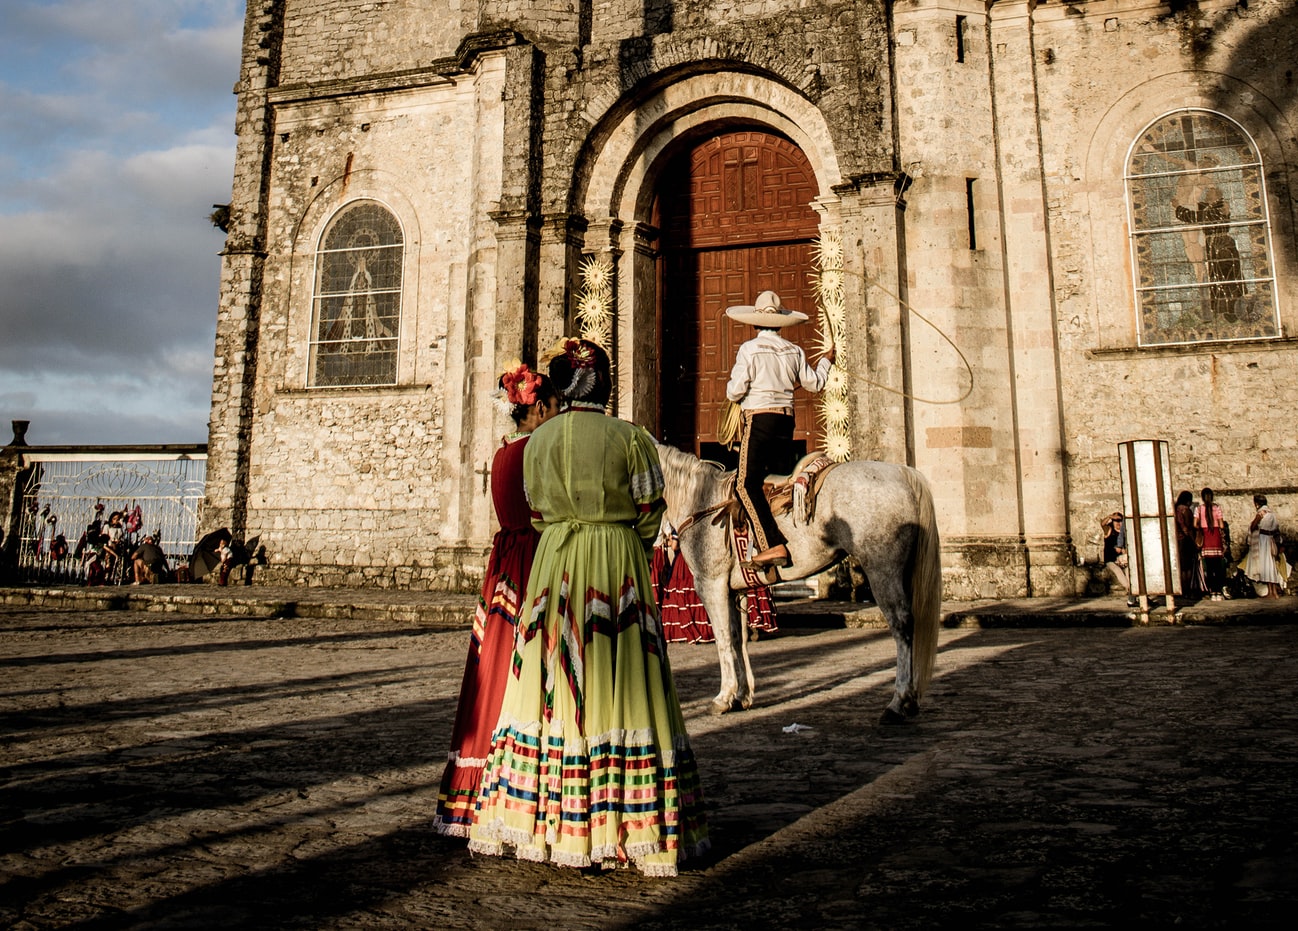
<point>1200,232</point>
<point>357,312</point>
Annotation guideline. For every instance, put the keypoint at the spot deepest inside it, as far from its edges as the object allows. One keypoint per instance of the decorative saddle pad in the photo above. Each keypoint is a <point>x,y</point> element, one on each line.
<point>797,492</point>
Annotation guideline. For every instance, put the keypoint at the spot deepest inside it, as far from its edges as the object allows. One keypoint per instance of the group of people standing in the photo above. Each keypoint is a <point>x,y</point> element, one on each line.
<point>569,744</point>
<point>1203,548</point>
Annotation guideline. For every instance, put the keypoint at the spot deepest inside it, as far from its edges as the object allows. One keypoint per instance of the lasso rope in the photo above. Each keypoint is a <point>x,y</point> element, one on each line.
<point>936,329</point>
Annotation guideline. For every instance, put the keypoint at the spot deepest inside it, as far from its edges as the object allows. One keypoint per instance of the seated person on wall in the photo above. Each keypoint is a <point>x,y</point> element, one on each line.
<point>115,545</point>
<point>1115,552</point>
<point>150,563</point>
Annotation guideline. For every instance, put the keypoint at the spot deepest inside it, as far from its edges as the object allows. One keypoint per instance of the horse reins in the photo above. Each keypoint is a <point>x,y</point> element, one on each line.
<point>697,515</point>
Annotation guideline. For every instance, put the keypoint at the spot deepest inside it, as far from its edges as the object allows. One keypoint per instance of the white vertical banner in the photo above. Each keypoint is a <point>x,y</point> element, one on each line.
<point>1153,564</point>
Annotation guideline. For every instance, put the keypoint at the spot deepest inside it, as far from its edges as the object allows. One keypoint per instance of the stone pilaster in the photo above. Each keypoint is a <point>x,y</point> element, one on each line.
<point>562,237</point>
<point>1025,238</point>
<point>11,482</point>
<point>876,333</point>
<point>642,327</point>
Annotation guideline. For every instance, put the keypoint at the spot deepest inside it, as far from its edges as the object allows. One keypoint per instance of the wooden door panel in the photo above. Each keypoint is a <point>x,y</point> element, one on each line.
<point>737,276</point>
<point>736,220</point>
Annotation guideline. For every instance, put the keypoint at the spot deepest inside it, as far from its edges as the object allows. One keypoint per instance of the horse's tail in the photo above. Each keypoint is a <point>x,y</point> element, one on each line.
<point>925,584</point>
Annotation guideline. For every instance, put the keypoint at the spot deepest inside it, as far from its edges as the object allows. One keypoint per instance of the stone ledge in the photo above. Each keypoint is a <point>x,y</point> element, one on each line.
<point>436,612</point>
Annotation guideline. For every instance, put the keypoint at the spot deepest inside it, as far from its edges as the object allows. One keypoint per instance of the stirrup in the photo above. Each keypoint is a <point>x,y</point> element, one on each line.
<point>768,572</point>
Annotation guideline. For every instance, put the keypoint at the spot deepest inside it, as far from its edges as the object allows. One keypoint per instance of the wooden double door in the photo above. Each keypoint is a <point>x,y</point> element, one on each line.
<point>736,219</point>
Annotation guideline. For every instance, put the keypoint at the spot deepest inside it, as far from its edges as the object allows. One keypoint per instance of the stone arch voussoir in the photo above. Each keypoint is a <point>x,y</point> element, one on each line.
<point>619,169</point>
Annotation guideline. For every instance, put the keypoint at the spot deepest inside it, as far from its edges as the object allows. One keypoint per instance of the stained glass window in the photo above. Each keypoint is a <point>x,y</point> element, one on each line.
<point>357,303</point>
<point>1200,233</point>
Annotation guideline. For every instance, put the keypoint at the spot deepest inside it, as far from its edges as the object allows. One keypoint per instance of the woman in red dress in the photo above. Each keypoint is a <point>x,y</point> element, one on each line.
<point>530,400</point>
<point>684,618</point>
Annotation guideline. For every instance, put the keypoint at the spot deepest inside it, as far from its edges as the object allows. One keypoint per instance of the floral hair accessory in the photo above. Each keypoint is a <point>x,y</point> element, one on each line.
<point>516,387</point>
<point>520,385</point>
<point>584,366</point>
<point>580,353</point>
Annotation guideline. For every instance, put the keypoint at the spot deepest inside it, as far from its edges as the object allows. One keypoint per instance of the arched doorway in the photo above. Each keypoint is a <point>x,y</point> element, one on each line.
<point>735,216</point>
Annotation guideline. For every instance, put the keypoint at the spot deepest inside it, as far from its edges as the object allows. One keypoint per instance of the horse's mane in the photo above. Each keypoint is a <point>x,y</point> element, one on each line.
<point>690,481</point>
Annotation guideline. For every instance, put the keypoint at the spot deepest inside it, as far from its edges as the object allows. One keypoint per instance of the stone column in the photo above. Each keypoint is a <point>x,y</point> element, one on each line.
<point>243,259</point>
<point>876,336</point>
<point>1030,297</point>
<point>638,317</point>
<point>562,238</point>
<point>11,494</point>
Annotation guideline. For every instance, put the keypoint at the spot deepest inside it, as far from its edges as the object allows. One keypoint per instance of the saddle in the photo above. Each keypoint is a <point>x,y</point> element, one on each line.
<point>795,492</point>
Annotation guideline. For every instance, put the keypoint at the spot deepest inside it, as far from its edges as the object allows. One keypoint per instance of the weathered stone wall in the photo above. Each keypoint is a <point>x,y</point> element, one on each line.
<point>1103,72</point>
<point>365,484</point>
<point>836,54</point>
<point>966,437</point>
<point>338,40</point>
<point>510,138</point>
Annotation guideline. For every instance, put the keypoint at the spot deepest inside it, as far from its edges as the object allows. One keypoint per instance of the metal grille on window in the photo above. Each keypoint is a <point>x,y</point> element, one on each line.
<point>1200,232</point>
<point>357,312</point>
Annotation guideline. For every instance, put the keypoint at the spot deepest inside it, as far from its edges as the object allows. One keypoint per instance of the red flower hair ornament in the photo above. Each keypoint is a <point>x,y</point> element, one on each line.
<point>517,387</point>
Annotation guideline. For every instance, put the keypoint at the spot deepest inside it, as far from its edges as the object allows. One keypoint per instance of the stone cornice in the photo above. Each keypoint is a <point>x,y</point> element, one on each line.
<point>439,72</point>
<point>1112,353</point>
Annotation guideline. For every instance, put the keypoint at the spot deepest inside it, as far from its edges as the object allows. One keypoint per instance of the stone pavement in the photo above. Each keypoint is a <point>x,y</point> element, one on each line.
<point>272,760</point>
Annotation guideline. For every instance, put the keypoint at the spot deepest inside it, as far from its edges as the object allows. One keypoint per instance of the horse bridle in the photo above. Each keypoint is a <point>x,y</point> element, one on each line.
<point>699,515</point>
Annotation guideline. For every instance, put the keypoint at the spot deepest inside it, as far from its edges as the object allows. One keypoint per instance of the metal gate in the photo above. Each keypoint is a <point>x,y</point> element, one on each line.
<point>67,500</point>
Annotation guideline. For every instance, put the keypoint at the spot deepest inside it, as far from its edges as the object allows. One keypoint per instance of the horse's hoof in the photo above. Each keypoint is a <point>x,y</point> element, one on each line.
<point>910,708</point>
<point>891,718</point>
<point>747,703</point>
<point>720,707</point>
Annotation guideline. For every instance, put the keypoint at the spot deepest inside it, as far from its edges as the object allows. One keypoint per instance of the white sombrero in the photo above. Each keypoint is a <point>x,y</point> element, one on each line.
<point>766,312</point>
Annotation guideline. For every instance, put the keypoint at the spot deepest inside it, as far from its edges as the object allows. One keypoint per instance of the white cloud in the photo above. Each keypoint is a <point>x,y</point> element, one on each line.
<point>112,159</point>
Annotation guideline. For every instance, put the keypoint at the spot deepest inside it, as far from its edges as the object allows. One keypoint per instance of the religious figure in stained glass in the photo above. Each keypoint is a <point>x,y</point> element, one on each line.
<point>1200,233</point>
<point>358,299</point>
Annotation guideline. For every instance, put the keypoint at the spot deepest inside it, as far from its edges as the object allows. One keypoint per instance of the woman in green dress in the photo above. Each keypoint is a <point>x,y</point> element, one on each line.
<point>590,762</point>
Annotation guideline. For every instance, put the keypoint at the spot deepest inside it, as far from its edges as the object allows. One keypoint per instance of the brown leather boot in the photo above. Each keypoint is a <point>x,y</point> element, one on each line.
<point>777,556</point>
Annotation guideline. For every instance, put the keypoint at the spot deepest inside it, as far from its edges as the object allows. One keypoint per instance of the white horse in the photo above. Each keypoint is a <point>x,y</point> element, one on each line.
<point>877,512</point>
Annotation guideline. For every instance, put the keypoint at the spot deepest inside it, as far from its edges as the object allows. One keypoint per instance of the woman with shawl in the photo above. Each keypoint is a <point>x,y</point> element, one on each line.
<point>1264,560</point>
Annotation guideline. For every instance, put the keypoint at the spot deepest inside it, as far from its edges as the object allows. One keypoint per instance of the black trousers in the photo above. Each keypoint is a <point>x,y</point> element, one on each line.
<point>765,449</point>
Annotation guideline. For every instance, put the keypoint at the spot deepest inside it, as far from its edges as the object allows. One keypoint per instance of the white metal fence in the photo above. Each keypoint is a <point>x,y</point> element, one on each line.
<point>69,494</point>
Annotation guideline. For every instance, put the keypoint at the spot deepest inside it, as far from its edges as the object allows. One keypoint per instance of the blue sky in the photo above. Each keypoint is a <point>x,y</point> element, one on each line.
<point>116,138</point>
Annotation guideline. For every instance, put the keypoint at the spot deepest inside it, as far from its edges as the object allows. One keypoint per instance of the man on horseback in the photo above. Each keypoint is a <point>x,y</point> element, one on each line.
<point>767,370</point>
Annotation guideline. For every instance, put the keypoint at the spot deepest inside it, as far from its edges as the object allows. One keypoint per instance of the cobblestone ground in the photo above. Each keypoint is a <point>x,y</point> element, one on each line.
<point>170,771</point>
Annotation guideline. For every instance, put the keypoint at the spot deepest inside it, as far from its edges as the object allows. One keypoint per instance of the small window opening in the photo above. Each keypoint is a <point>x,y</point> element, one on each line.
<point>959,37</point>
<point>969,209</point>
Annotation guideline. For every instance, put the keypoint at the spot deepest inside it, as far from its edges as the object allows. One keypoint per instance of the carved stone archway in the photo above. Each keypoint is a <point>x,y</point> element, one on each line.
<point>616,186</point>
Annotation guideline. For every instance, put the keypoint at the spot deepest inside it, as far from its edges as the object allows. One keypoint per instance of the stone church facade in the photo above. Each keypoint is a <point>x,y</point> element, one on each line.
<point>1063,226</point>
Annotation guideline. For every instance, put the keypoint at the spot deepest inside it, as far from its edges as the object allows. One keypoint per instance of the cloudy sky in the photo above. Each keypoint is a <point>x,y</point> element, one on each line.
<point>116,138</point>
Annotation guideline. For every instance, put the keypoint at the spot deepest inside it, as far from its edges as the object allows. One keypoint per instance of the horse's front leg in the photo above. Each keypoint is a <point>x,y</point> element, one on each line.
<point>736,676</point>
